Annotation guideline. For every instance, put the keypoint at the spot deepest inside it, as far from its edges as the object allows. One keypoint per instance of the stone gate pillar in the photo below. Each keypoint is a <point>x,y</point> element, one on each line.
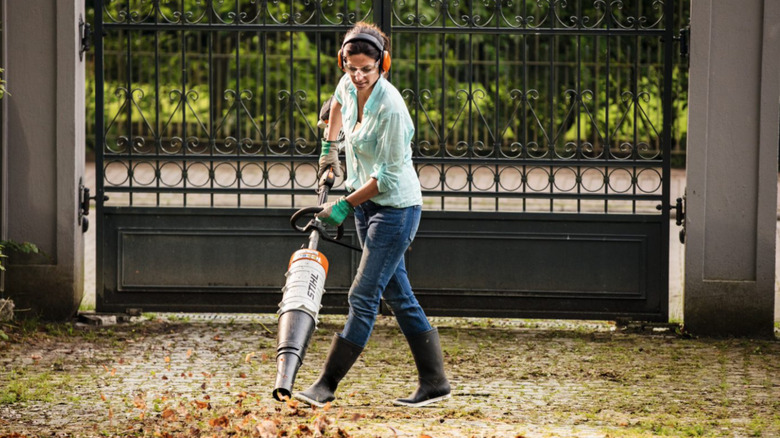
<point>45,153</point>
<point>734,97</point>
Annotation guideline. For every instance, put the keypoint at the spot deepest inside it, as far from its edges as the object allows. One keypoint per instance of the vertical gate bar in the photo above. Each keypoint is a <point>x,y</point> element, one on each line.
<point>668,40</point>
<point>607,104</point>
<point>184,84</point>
<point>266,132</point>
<point>551,99</point>
<point>497,114</point>
<point>417,98</point>
<point>290,112</point>
<point>212,132</point>
<point>470,125</point>
<point>635,85</point>
<point>239,129</point>
<point>637,68</point>
<point>317,77</point>
<point>443,137</point>
<point>239,104</point>
<point>525,103</point>
<point>158,135</point>
<point>129,97</point>
<point>129,124</point>
<point>383,16</point>
<point>263,37</point>
<point>579,102</point>
<point>99,150</point>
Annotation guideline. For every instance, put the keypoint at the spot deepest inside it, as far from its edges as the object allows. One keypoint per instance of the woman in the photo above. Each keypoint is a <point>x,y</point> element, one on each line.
<point>384,193</point>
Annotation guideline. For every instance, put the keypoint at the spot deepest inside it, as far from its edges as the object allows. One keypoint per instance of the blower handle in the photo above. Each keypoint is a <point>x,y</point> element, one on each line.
<point>326,182</point>
<point>314,224</point>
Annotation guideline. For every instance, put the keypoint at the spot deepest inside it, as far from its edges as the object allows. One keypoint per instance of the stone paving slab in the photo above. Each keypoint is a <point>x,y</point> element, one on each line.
<point>510,378</point>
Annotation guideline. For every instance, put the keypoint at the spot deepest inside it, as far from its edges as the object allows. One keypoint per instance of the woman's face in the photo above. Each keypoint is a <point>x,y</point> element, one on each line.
<point>363,70</point>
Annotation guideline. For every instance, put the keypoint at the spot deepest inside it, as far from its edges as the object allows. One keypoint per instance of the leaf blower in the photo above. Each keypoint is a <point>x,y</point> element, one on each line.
<point>302,293</point>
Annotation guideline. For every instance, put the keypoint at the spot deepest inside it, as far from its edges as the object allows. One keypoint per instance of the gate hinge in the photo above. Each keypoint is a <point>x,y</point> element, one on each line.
<point>679,216</point>
<point>83,206</point>
<point>85,33</point>
<point>683,40</point>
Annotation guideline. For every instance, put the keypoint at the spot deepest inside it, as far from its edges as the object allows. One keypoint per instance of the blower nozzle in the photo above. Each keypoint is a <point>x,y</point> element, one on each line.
<point>295,330</point>
<point>298,315</point>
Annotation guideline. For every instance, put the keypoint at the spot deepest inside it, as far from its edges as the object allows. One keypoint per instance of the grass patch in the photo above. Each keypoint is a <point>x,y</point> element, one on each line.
<point>22,388</point>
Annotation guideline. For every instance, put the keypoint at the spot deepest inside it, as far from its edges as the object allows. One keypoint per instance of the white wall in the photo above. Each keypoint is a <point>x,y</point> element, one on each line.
<point>734,98</point>
<point>45,152</point>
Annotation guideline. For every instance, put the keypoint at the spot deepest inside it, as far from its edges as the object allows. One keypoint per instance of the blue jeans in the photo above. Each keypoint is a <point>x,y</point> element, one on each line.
<point>385,233</point>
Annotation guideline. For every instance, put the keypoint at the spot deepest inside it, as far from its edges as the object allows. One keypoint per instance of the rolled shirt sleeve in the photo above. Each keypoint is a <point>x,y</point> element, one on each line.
<point>393,138</point>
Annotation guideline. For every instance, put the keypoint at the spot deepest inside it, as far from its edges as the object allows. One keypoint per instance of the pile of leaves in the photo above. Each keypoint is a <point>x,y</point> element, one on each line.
<point>247,417</point>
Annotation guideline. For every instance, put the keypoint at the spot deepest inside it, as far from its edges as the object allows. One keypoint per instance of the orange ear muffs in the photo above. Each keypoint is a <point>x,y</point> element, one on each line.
<point>384,60</point>
<point>384,65</point>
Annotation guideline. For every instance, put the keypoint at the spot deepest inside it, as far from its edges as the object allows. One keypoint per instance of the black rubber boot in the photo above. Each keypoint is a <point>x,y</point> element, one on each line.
<point>433,385</point>
<point>341,357</point>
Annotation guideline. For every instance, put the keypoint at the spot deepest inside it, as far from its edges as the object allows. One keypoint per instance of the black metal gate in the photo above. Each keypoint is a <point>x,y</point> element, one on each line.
<point>543,131</point>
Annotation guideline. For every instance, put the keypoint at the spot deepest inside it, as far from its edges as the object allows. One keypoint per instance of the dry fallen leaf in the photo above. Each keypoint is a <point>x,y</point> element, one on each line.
<point>139,403</point>
<point>219,422</point>
<point>168,414</point>
<point>267,429</point>
<point>320,423</point>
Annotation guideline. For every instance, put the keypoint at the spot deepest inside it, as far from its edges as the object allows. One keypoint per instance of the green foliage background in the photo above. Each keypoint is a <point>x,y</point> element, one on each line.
<point>463,89</point>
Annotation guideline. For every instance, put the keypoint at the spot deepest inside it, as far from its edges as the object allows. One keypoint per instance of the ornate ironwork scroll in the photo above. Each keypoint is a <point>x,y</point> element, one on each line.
<point>519,105</point>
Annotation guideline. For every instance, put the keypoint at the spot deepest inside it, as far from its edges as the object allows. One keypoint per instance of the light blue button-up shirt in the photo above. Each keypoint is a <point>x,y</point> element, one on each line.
<point>381,147</point>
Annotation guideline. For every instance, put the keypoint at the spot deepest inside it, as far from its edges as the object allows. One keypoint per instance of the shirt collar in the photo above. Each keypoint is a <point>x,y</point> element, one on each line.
<point>374,98</point>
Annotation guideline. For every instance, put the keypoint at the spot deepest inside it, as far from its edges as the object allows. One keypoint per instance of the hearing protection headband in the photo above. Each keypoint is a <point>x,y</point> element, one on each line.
<point>384,58</point>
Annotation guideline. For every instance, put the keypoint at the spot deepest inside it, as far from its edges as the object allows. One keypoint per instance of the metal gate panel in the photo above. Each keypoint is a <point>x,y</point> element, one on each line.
<point>551,266</point>
<point>542,142</point>
<point>202,260</point>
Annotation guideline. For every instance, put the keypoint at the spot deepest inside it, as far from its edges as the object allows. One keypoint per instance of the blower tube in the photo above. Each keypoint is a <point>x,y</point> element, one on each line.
<point>298,312</point>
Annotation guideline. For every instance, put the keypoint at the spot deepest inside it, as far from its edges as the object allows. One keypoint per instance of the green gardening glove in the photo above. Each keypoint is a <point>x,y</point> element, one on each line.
<point>329,157</point>
<point>334,213</point>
